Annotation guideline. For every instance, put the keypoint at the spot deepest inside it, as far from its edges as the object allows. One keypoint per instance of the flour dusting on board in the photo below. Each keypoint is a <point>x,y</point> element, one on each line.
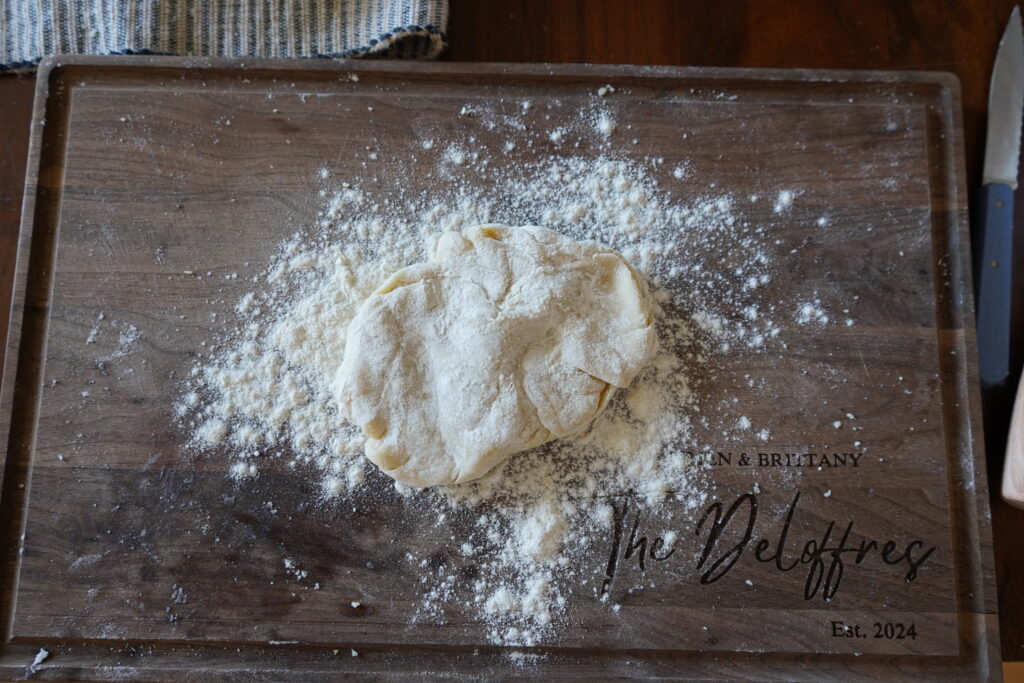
<point>263,397</point>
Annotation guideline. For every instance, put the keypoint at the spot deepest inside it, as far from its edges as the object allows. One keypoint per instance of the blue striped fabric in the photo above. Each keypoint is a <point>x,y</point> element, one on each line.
<point>33,29</point>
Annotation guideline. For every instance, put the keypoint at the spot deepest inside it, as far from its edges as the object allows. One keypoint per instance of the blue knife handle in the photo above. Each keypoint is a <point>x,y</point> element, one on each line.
<point>993,271</point>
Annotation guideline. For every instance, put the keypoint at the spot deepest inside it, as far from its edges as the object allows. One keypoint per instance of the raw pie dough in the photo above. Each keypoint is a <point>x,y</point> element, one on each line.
<point>505,339</point>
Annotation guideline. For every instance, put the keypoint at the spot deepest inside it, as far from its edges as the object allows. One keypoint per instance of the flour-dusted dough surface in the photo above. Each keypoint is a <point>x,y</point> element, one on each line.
<point>508,337</point>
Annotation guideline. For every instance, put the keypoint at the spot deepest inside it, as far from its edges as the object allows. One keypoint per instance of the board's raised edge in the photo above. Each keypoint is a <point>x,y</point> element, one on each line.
<point>148,63</point>
<point>21,263</point>
<point>973,521</point>
<point>14,475</point>
<point>985,653</point>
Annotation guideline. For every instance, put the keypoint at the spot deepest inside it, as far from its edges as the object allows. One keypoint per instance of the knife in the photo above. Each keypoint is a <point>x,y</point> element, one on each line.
<point>992,267</point>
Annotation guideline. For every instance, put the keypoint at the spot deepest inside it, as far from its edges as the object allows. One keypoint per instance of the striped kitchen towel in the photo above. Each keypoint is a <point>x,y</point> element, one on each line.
<point>33,29</point>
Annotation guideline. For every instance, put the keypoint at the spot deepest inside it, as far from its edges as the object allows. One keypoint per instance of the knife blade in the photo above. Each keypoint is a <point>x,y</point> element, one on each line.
<point>993,267</point>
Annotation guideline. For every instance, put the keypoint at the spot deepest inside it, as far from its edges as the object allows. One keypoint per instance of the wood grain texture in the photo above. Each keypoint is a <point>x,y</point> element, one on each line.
<point>133,164</point>
<point>958,37</point>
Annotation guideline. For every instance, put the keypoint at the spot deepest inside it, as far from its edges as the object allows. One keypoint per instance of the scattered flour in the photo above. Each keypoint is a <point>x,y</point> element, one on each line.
<point>784,201</point>
<point>178,595</point>
<point>262,400</point>
<point>605,125</point>
<point>811,312</point>
<point>39,658</point>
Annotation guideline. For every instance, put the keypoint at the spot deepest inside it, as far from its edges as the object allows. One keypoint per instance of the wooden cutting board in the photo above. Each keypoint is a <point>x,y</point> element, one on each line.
<point>125,559</point>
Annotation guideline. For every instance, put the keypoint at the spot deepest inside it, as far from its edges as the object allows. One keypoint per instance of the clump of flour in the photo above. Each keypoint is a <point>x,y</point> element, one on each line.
<point>263,398</point>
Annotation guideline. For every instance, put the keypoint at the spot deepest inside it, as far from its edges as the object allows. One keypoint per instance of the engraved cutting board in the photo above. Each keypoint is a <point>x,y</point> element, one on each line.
<point>857,551</point>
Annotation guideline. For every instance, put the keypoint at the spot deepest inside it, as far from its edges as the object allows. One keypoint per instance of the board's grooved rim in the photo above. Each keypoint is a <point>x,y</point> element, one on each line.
<point>26,345</point>
<point>12,496</point>
<point>973,524</point>
<point>945,230</point>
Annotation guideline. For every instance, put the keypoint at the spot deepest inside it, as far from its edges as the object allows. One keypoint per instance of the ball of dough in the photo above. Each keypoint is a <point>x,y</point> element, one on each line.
<point>505,339</point>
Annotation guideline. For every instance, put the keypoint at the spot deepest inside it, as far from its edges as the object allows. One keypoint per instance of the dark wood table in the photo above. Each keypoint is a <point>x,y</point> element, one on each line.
<point>960,37</point>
